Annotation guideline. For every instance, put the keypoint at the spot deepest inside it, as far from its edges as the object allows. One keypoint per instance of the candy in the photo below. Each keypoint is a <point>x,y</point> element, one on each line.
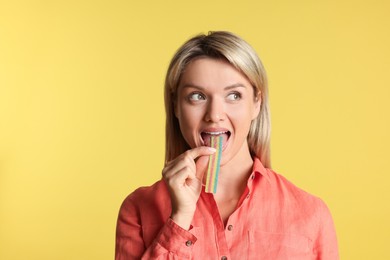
<point>213,167</point>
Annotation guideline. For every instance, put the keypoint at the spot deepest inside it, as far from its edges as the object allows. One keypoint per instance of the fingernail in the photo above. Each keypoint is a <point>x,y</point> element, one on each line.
<point>211,149</point>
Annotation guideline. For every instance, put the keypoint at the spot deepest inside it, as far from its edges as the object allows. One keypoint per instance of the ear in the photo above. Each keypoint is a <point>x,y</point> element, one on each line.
<point>257,105</point>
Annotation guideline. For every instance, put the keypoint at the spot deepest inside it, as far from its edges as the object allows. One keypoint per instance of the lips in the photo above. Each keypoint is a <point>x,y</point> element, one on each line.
<point>206,136</point>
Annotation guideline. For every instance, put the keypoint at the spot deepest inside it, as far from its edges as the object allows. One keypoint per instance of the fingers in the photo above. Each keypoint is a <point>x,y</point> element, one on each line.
<point>195,153</point>
<point>201,166</point>
<point>187,159</point>
<point>181,177</point>
<point>184,179</point>
<point>200,151</point>
<point>202,162</point>
<point>178,164</point>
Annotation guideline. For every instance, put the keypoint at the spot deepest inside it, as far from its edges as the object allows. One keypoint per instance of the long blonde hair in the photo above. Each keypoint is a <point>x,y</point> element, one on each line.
<point>236,51</point>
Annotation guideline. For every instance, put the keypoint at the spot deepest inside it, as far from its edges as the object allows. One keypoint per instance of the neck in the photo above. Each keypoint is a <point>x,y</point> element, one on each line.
<point>234,174</point>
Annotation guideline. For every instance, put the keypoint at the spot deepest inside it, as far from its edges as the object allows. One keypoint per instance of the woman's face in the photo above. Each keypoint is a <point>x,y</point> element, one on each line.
<point>215,99</point>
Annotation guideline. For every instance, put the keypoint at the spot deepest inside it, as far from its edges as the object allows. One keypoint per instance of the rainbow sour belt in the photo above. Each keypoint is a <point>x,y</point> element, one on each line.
<point>213,168</point>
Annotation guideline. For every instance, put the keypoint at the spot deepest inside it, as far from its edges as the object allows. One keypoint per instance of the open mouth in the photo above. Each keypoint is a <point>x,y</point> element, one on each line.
<point>206,137</point>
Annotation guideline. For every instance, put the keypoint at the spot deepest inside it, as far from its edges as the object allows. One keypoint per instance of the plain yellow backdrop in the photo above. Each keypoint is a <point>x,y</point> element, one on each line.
<point>82,118</point>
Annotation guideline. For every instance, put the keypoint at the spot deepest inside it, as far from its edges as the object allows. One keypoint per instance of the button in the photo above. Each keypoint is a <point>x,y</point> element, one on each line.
<point>230,227</point>
<point>189,243</point>
<point>253,176</point>
<point>223,258</point>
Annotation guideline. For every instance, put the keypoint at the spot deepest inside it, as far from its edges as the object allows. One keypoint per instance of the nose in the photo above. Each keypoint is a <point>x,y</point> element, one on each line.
<point>215,111</point>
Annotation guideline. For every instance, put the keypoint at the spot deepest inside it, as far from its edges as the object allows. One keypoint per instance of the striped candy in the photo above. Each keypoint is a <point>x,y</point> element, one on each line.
<point>213,168</point>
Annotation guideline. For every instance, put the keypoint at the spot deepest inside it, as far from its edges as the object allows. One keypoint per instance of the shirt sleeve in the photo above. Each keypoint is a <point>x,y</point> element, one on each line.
<point>326,244</point>
<point>172,242</point>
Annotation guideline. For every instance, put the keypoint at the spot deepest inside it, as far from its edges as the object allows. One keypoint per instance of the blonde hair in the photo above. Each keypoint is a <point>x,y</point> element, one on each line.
<point>236,51</point>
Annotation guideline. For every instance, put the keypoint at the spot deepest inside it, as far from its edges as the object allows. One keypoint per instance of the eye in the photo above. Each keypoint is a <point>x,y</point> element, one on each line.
<point>234,96</point>
<point>196,96</point>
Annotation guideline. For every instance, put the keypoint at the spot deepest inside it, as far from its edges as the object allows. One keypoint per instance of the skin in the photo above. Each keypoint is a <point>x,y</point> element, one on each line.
<point>212,96</point>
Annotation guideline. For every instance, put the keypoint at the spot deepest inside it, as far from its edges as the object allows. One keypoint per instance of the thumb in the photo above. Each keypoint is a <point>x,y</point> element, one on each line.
<point>201,166</point>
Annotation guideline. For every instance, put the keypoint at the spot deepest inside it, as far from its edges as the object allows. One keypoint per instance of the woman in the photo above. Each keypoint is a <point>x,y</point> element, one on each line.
<point>216,86</point>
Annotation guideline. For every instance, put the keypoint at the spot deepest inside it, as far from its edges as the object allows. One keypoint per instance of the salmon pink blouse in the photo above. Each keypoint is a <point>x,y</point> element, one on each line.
<point>273,220</point>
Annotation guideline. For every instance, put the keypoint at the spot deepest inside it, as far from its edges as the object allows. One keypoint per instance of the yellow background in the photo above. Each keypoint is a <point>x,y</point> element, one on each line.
<point>82,121</point>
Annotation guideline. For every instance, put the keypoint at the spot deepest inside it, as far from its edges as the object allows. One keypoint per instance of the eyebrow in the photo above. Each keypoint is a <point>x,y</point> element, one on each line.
<point>237,85</point>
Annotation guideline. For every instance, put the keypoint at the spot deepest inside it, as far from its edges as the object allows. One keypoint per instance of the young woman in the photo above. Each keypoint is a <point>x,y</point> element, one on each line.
<point>216,86</point>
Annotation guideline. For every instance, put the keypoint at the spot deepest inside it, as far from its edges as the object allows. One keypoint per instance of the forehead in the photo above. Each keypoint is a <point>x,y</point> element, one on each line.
<point>212,73</point>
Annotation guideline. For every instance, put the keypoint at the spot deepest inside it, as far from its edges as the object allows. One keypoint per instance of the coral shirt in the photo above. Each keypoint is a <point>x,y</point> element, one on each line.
<point>273,220</point>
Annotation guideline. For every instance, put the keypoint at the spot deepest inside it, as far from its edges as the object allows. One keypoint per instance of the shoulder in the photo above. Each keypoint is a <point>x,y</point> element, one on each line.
<point>293,197</point>
<point>295,205</point>
<point>277,187</point>
<point>143,213</point>
<point>149,192</point>
<point>147,200</point>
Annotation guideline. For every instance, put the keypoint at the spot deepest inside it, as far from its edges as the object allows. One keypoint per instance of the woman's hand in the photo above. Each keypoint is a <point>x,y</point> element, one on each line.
<point>184,179</point>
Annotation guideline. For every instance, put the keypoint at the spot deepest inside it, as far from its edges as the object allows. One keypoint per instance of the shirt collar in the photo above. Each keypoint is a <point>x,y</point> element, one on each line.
<point>258,168</point>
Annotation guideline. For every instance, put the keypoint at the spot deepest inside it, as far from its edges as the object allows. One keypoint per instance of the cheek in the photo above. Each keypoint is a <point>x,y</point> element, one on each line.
<point>189,117</point>
<point>241,113</point>
<point>241,119</point>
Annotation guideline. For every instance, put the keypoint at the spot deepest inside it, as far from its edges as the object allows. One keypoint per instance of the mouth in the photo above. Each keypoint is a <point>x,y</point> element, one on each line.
<point>206,137</point>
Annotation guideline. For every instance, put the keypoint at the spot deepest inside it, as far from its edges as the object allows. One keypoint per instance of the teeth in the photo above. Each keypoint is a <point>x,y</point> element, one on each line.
<point>215,133</point>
